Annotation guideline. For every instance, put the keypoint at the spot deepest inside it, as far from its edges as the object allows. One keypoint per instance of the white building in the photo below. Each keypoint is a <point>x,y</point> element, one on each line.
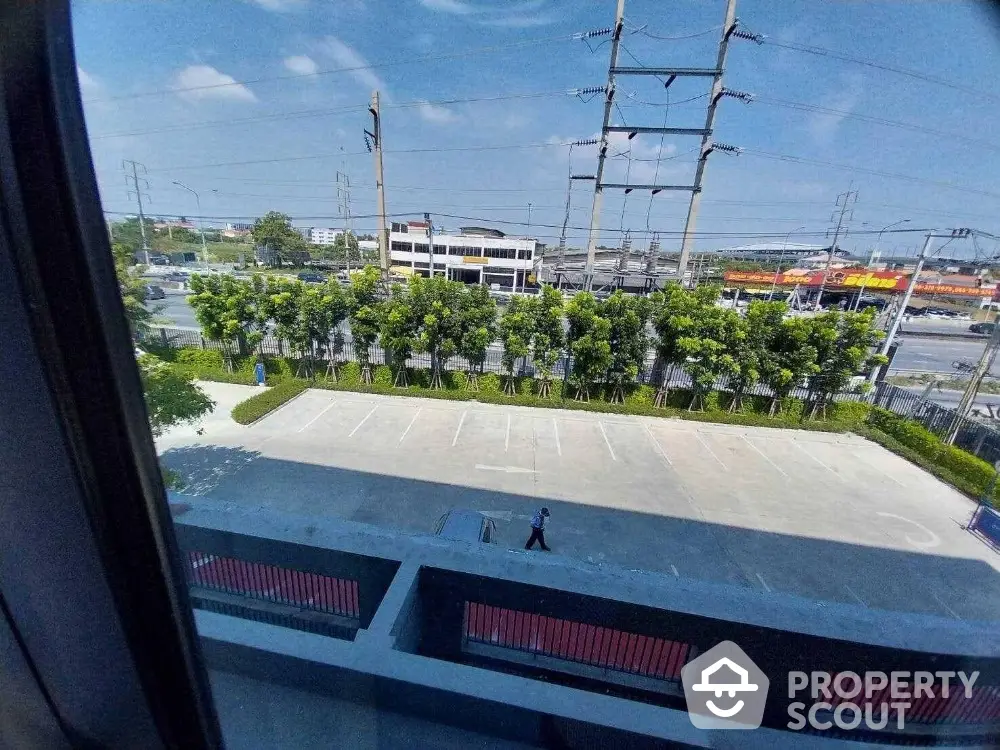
<point>475,255</point>
<point>323,235</point>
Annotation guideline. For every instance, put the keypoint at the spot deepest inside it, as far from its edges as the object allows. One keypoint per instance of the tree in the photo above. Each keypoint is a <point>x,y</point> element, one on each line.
<point>363,303</point>
<point>547,335</point>
<point>843,344</point>
<point>589,342</point>
<point>274,231</point>
<point>628,317</point>
<point>707,346</point>
<point>283,302</point>
<point>751,341</point>
<point>171,398</point>
<point>477,323</point>
<point>516,328</point>
<point>213,313</point>
<point>133,290</point>
<point>789,360</point>
<point>436,303</point>
<point>333,310</point>
<point>398,329</point>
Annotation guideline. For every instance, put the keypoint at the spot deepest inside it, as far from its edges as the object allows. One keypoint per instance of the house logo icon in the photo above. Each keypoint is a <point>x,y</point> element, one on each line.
<point>724,689</point>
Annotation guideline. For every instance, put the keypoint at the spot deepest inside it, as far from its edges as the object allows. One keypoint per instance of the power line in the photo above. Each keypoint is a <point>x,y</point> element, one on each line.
<point>672,37</point>
<point>823,52</point>
<point>334,71</point>
<point>305,113</point>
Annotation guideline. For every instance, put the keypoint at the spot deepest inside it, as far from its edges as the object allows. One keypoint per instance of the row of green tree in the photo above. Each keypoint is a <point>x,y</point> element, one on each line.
<point>606,342</point>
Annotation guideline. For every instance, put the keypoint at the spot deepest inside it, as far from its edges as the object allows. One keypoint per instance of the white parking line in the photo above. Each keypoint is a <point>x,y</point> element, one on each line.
<point>859,600</point>
<point>763,583</point>
<point>779,469</point>
<point>659,448</point>
<point>821,463</point>
<point>506,436</point>
<point>461,421</point>
<point>947,608</point>
<point>607,442</point>
<point>401,437</point>
<point>673,569</point>
<point>555,431</point>
<point>701,440</point>
<point>365,419</point>
<point>324,411</point>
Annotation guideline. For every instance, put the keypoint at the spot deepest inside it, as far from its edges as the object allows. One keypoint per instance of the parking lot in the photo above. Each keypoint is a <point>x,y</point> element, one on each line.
<point>827,516</point>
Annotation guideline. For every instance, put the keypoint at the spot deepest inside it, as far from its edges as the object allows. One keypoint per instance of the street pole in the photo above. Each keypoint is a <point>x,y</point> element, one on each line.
<point>383,232</point>
<point>706,140</point>
<point>201,225</point>
<point>430,244</point>
<point>972,389</point>
<point>781,257</point>
<point>602,150</point>
<point>871,259</point>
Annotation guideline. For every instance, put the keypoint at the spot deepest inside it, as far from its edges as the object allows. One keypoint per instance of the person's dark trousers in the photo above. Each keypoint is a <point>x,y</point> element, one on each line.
<point>537,535</point>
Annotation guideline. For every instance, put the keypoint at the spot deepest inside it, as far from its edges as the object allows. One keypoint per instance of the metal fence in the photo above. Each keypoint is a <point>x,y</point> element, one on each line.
<point>595,646</point>
<point>973,436</point>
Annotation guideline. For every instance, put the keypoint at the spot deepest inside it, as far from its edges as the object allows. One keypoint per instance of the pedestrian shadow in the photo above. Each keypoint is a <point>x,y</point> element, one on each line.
<point>202,468</point>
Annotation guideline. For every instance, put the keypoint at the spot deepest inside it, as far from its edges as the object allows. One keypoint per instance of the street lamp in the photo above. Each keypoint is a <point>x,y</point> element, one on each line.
<point>871,259</point>
<point>201,226</point>
<point>784,246</point>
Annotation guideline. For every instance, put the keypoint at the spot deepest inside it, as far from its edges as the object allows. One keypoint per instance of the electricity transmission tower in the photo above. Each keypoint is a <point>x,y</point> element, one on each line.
<point>845,205</point>
<point>667,76</point>
<point>344,209</point>
<point>561,257</point>
<point>132,170</point>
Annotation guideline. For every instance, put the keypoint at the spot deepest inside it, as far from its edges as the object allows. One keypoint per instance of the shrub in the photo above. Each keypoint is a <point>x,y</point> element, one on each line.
<point>455,381</point>
<point>965,464</point>
<point>525,386</point>
<point>201,358</point>
<point>264,403</point>
<point>851,412</point>
<point>641,395</point>
<point>490,383</point>
<point>350,374</point>
<point>383,375</point>
<point>906,431</point>
<point>712,401</point>
<point>420,377</point>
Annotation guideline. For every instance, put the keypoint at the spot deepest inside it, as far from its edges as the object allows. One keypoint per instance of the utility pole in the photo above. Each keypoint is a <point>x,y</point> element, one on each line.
<point>844,201</point>
<point>728,26</point>
<point>430,243</point>
<point>135,167</point>
<point>375,134</point>
<point>344,209</point>
<point>898,318</point>
<point>972,389</point>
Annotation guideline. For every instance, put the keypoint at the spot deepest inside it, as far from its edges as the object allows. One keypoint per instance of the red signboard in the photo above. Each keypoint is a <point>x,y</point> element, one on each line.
<point>884,281</point>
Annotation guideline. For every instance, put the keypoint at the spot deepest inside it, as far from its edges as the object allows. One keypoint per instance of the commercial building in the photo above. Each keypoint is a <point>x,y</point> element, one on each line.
<point>322,235</point>
<point>476,255</point>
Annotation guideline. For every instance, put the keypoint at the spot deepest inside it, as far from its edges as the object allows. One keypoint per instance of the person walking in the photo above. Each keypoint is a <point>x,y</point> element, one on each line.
<point>538,530</point>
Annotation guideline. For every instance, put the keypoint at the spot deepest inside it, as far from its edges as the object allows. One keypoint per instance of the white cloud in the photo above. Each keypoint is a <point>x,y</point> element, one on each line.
<point>847,95</point>
<point>519,22</point>
<point>205,82</point>
<point>436,114</point>
<point>87,81</point>
<point>455,7</point>
<point>301,65</point>
<point>347,57</point>
<point>280,6</point>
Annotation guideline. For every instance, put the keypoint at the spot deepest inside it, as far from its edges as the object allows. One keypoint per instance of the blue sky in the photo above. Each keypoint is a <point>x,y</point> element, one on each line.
<point>151,75</point>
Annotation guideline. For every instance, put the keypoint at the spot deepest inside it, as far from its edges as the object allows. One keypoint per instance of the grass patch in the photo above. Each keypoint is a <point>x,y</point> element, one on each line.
<point>264,403</point>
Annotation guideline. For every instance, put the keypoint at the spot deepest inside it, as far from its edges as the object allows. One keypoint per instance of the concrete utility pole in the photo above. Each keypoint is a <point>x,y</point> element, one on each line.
<point>728,26</point>
<point>201,224</point>
<point>430,244</point>
<point>844,200</point>
<point>376,136</point>
<point>972,389</point>
<point>135,166</point>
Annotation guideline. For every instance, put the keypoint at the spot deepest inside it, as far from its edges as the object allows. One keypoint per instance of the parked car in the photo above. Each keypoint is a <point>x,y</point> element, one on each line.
<point>179,277</point>
<point>311,277</point>
<point>986,328</point>
<point>155,292</point>
<point>466,526</point>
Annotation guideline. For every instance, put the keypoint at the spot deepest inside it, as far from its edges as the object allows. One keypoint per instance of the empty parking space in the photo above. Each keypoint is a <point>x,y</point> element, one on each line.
<point>827,516</point>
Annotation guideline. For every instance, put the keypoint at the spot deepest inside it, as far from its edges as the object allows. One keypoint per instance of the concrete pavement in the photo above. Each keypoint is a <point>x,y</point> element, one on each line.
<point>830,517</point>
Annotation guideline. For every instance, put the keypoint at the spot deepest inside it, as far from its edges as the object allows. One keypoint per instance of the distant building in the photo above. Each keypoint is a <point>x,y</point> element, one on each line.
<point>476,255</point>
<point>237,229</point>
<point>166,225</point>
<point>322,235</point>
<point>772,251</point>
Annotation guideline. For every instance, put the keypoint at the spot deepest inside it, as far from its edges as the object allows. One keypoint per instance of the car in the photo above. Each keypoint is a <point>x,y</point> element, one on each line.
<point>986,328</point>
<point>179,277</point>
<point>311,277</point>
<point>155,292</point>
<point>466,526</point>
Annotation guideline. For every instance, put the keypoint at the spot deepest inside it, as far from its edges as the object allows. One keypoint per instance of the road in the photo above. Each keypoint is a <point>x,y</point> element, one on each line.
<point>174,310</point>
<point>936,355</point>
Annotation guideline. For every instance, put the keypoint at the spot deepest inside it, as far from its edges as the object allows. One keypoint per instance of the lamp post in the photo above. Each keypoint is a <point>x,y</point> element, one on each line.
<point>871,259</point>
<point>781,256</point>
<point>201,226</point>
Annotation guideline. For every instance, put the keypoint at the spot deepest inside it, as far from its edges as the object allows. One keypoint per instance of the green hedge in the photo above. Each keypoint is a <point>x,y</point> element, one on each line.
<point>264,403</point>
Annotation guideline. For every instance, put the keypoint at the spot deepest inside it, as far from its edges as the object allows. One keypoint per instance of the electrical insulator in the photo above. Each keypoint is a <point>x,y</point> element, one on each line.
<point>743,96</point>
<point>592,34</point>
<point>726,148</point>
<point>748,35</point>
